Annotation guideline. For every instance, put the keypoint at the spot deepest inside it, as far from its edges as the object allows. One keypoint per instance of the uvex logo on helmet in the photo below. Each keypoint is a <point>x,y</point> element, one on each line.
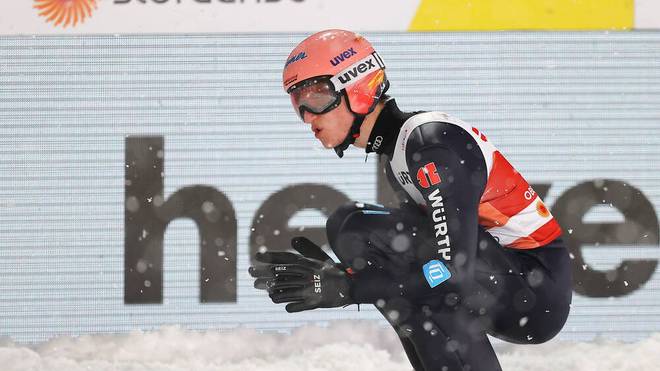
<point>343,56</point>
<point>357,71</point>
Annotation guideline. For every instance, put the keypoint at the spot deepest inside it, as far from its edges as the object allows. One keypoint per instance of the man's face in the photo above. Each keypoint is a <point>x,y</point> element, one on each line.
<point>332,127</point>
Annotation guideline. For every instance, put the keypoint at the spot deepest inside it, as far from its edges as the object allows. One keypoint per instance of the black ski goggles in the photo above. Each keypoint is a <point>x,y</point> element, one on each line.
<point>316,96</point>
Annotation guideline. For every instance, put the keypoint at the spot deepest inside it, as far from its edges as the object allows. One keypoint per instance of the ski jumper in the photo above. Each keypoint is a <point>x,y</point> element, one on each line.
<point>471,251</point>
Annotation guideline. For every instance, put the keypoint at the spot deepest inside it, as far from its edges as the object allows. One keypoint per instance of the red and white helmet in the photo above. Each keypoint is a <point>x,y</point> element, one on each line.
<point>329,63</point>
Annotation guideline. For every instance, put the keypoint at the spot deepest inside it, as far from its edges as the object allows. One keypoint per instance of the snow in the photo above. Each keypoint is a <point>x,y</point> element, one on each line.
<point>349,345</point>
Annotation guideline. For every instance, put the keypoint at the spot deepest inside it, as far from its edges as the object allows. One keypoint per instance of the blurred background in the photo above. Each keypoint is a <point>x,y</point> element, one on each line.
<point>111,109</point>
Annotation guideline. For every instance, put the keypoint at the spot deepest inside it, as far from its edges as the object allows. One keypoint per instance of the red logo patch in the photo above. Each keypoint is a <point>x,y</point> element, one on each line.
<point>427,175</point>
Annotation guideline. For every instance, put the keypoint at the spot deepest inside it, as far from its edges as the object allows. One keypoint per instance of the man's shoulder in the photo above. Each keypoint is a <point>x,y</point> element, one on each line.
<point>438,134</point>
<point>431,128</point>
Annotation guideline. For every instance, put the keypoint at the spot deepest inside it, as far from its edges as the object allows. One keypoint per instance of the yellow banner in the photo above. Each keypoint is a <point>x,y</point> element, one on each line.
<point>460,15</point>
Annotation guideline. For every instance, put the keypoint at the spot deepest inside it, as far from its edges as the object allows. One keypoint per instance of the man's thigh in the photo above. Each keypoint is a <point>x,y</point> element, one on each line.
<point>523,296</point>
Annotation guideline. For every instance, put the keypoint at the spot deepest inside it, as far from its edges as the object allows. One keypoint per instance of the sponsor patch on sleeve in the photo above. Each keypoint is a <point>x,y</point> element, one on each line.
<point>436,273</point>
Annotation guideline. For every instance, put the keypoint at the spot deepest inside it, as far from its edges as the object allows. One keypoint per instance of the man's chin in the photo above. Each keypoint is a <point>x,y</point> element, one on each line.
<point>328,145</point>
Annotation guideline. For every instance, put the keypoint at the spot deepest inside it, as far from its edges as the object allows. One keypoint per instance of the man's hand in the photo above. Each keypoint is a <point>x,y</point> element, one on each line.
<point>308,281</point>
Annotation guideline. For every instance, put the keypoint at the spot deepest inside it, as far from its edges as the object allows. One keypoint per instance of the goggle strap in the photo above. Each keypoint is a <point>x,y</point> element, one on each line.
<point>353,134</point>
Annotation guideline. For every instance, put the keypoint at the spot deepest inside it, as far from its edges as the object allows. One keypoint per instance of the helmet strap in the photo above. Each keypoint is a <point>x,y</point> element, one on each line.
<point>351,136</point>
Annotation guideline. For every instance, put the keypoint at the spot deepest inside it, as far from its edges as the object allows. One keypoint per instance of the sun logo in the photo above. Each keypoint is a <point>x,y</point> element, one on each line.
<point>65,12</point>
<point>542,210</point>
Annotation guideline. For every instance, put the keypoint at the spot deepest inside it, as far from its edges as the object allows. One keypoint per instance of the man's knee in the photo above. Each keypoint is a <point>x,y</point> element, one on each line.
<point>348,216</point>
<point>345,232</point>
<point>351,227</point>
<point>336,220</point>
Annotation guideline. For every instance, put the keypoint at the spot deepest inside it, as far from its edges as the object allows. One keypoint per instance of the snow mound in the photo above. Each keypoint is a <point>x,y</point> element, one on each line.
<point>346,345</point>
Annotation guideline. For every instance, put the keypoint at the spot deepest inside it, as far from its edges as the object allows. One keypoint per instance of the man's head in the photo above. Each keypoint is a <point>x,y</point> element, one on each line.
<point>334,77</point>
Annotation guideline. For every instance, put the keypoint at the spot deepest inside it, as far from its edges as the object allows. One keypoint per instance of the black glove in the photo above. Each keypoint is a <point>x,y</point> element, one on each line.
<point>308,281</point>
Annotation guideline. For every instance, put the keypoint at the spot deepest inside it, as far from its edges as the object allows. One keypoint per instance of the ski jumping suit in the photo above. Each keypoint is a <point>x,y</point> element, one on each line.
<point>471,251</point>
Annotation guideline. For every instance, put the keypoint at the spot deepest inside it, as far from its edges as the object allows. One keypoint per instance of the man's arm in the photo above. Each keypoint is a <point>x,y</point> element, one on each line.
<point>448,169</point>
